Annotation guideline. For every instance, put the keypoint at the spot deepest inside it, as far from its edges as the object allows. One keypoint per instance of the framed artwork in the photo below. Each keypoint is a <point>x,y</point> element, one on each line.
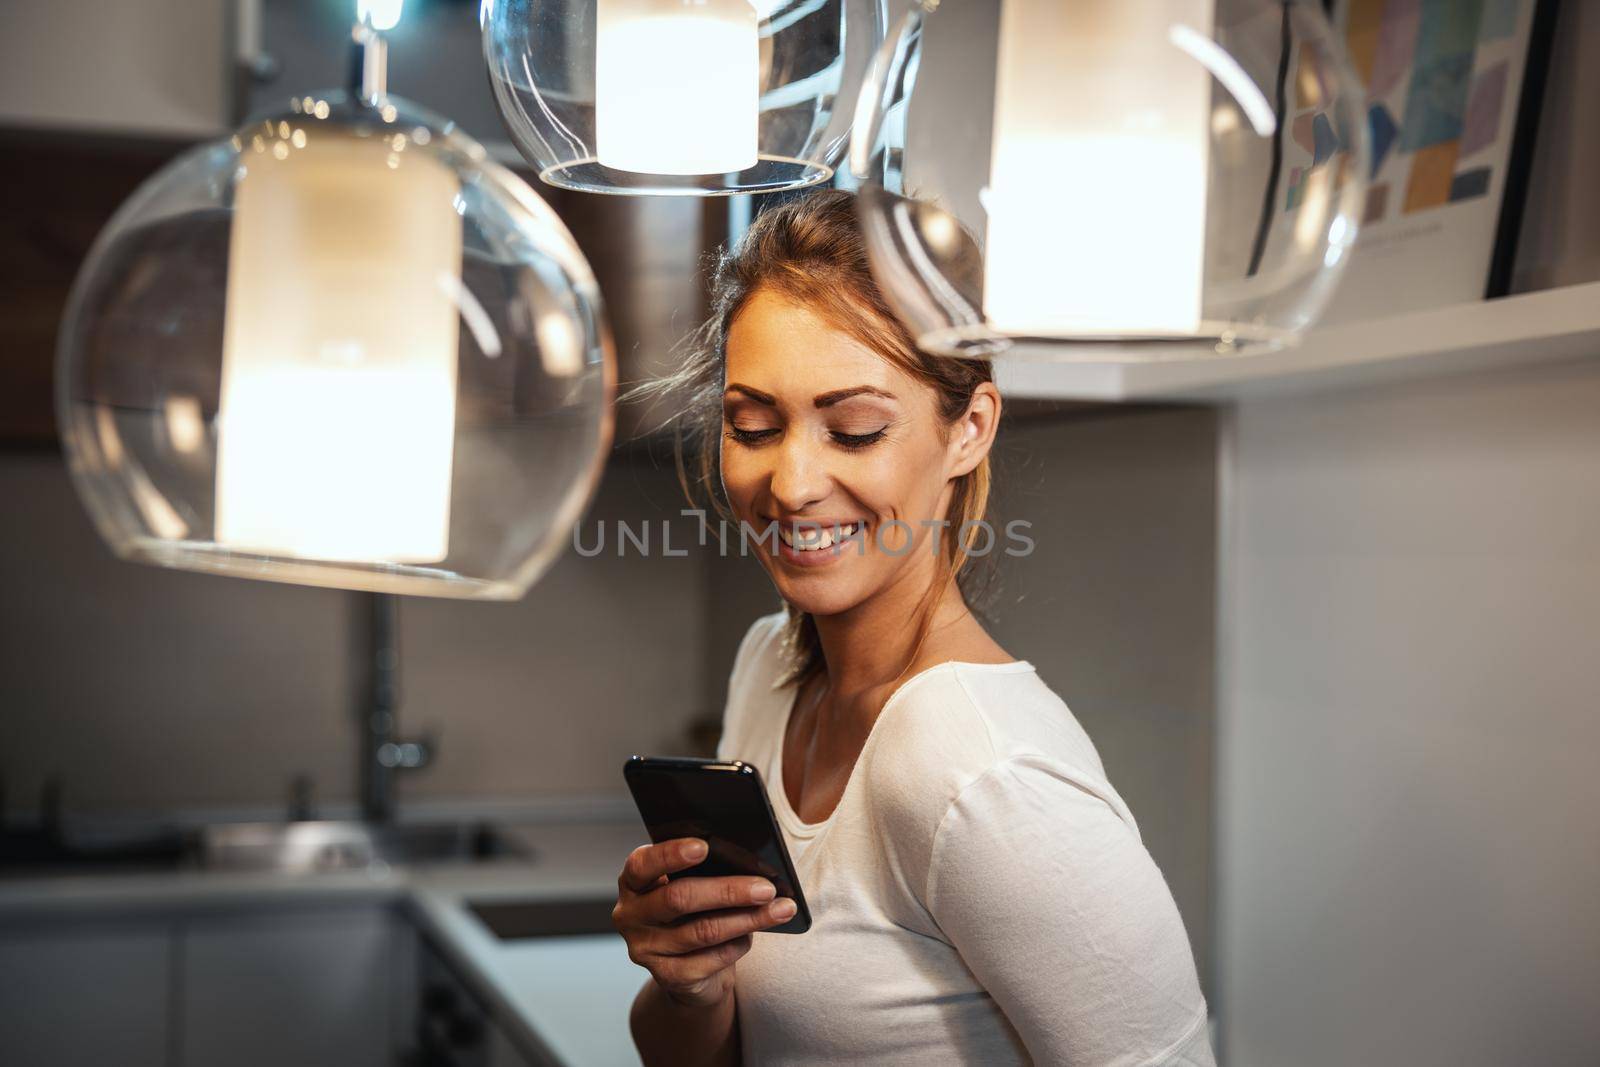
<point>1453,91</point>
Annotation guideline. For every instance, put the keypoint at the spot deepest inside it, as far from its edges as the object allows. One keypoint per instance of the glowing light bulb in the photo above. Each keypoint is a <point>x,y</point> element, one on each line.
<point>1096,215</point>
<point>381,15</point>
<point>337,419</point>
<point>677,84</point>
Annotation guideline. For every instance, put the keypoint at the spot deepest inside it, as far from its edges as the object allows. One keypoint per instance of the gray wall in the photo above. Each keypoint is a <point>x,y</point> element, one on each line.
<point>151,690</point>
<point>1410,689</point>
<point>1409,717</point>
<point>603,658</point>
<point>146,688</point>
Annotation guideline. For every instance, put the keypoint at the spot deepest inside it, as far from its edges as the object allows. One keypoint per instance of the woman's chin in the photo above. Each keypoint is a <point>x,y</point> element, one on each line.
<point>816,593</point>
<point>822,581</point>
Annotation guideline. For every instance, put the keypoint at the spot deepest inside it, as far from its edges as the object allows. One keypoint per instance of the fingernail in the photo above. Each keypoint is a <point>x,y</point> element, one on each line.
<point>762,890</point>
<point>695,849</point>
<point>783,908</point>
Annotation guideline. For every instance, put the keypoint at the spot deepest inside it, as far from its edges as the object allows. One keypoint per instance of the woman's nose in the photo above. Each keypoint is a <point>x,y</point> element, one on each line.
<point>799,475</point>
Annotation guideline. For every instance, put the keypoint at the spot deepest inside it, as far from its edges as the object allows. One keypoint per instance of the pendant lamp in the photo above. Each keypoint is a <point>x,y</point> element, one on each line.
<point>1110,181</point>
<point>340,347</point>
<point>680,97</point>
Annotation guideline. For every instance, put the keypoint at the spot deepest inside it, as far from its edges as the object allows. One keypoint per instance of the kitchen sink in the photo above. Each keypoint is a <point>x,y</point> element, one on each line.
<point>309,845</point>
<point>511,920</point>
<point>329,845</point>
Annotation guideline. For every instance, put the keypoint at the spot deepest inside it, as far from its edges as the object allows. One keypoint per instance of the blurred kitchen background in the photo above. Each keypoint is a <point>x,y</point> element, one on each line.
<point>1337,651</point>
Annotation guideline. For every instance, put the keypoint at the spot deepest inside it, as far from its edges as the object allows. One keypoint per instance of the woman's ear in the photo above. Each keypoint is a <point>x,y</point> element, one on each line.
<point>974,431</point>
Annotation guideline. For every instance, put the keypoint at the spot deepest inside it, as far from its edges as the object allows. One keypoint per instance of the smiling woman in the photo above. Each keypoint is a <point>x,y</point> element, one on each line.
<point>978,889</point>
<point>883,460</point>
<point>800,374</point>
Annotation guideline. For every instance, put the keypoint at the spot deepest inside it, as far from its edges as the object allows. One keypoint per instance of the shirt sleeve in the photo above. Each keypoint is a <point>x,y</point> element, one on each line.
<point>1059,911</point>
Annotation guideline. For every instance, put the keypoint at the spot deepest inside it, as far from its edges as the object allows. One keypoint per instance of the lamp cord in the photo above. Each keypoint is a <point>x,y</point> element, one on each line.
<point>1271,197</point>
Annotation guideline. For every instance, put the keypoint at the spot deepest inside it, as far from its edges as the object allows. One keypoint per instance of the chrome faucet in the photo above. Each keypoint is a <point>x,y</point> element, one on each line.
<point>382,754</point>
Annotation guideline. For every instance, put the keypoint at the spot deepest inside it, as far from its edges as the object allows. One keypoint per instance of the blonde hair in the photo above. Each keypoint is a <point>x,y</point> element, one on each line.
<point>810,251</point>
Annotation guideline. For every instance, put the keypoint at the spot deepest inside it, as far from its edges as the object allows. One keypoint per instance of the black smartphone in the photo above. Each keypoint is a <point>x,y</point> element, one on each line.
<point>724,803</point>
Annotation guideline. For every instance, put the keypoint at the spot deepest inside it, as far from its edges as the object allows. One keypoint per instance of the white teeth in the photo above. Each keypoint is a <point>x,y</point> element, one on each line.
<point>812,538</point>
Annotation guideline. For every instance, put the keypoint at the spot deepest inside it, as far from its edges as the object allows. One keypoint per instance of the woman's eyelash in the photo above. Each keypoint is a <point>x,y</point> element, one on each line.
<point>845,440</point>
<point>859,440</point>
<point>750,437</point>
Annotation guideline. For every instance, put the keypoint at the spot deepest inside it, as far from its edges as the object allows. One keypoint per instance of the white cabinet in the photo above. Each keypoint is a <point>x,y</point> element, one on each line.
<point>86,995</point>
<point>161,67</point>
<point>1514,331</point>
<point>289,987</point>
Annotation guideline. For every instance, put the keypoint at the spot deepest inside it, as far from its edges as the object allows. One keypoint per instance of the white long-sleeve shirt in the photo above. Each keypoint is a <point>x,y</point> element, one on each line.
<point>979,895</point>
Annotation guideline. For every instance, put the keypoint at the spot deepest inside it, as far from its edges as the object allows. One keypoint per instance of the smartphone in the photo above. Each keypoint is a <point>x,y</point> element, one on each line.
<point>724,803</point>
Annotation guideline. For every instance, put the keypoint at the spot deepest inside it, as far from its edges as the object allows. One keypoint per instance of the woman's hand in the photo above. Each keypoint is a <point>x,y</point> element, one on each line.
<point>688,932</point>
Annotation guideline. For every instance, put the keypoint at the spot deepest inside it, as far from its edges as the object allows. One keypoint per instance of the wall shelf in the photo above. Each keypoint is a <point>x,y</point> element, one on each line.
<point>1554,324</point>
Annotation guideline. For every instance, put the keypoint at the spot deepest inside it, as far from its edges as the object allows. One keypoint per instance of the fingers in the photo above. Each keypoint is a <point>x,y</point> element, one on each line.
<point>684,896</point>
<point>647,863</point>
<point>687,930</point>
<point>707,929</point>
<point>686,972</point>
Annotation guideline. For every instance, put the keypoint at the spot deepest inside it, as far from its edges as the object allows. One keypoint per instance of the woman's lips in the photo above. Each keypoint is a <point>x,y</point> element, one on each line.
<point>817,557</point>
<point>835,537</point>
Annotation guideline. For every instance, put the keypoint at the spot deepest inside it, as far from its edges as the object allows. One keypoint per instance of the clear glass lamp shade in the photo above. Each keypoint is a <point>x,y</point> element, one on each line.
<point>680,97</point>
<point>1105,181</point>
<point>341,348</point>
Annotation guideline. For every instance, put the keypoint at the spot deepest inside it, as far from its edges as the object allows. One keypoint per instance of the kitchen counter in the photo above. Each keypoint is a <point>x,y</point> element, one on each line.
<point>570,995</point>
<point>565,996</point>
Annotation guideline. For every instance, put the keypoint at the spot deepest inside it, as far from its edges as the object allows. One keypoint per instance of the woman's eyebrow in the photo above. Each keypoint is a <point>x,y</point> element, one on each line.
<point>823,400</point>
<point>754,394</point>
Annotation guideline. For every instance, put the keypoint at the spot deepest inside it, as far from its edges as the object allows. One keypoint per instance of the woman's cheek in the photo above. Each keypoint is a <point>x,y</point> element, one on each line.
<point>737,482</point>
<point>886,481</point>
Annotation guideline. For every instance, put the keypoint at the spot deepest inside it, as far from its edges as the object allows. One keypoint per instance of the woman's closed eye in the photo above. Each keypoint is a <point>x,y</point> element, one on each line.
<point>754,435</point>
<point>751,435</point>
<point>858,440</point>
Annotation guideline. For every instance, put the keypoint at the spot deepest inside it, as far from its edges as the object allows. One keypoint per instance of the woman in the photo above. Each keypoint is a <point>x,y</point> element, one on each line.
<point>978,889</point>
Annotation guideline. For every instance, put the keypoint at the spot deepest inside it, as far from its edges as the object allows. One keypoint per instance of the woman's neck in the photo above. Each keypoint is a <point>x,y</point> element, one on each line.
<point>876,642</point>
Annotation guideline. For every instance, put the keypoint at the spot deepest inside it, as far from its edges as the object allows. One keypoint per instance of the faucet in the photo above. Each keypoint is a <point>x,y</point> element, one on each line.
<point>382,754</point>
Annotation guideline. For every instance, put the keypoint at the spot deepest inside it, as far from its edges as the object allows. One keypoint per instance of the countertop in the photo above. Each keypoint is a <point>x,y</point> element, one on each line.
<point>568,995</point>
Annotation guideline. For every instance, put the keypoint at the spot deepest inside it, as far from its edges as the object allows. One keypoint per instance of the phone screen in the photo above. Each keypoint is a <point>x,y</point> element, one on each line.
<point>726,805</point>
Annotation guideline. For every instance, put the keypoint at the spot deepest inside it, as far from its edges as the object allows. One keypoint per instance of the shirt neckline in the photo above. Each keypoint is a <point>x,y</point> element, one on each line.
<point>786,813</point>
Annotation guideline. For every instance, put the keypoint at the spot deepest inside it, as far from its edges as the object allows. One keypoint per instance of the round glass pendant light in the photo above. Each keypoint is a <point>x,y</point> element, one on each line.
<point>341,347</point>
<point>680,97</point>
<point>1106,181</point>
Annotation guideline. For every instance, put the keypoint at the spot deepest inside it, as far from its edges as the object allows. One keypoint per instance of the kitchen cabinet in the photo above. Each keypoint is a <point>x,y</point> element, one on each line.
<point>86,995</point>
<point>136,67</point>
<point>454,1028</point>
<point>236,986</point>
<point>1514,331</point>
<point>73,185</point>
<point>289,987</point>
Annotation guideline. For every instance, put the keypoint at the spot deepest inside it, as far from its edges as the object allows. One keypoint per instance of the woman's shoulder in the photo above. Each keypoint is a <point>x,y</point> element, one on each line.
<point>997,710</point>
<point>1025,717</point>
<point>959,729</point>
<point>956,722</point>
